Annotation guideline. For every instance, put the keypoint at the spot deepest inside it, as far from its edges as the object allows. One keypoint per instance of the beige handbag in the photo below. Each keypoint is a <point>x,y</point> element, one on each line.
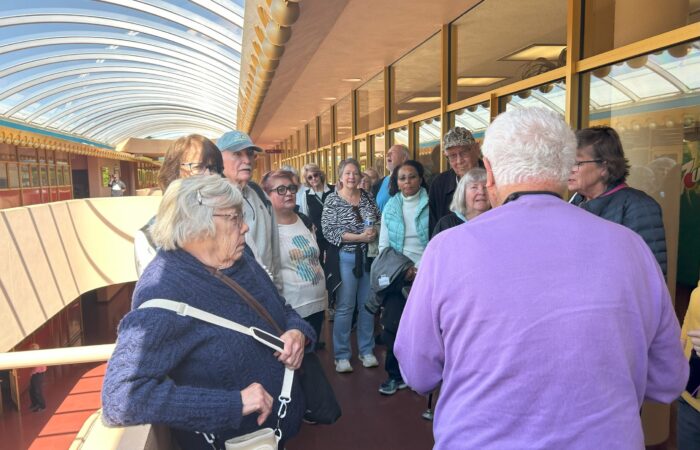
<point>263,439</point>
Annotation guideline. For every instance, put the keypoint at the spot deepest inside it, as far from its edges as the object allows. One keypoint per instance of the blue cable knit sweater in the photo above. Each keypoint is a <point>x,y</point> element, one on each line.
<point>188,374</point>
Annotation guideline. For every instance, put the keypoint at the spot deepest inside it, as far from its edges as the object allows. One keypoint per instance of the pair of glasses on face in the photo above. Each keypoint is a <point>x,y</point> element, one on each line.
<point>282,190</point>
<point>313,175</point>
<point>236,218</point>
<point>578,164</point>
<point>199,168</point>
<point>462,154</point>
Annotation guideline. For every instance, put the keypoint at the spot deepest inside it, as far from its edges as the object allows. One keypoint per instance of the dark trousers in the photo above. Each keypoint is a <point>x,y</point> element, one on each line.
<point>394,304</point>
<point>688,424</point>
<point>316,322</point>
<point>36,390</point>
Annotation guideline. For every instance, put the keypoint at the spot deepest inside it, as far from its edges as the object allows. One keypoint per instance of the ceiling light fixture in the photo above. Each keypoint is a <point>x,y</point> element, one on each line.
<point>478,81</point>
<point>532,52</point>
<point>424,100</point>
<point>405,111</point>
<point>351,80</point>
<point>330,99</point>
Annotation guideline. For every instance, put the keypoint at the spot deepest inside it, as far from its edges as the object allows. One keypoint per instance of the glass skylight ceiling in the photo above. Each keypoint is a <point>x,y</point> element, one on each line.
<point>107,70</point>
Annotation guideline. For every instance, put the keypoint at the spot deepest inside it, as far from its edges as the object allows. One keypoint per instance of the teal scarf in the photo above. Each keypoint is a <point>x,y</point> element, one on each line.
<point>393,216</point>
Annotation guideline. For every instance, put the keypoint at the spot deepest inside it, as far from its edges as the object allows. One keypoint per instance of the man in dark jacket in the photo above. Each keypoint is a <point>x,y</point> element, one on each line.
<point>462,152</point>
<point>598,178</point>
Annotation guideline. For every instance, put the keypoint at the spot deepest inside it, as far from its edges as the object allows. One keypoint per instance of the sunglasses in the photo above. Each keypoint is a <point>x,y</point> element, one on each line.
<point>282,190</point>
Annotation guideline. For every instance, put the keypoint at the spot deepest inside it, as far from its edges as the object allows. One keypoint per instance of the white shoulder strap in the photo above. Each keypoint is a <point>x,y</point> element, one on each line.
<point>265,338</point>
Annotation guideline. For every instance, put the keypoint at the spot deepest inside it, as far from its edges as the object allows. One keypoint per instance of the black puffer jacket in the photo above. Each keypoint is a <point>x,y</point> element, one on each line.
<point>635,210</point>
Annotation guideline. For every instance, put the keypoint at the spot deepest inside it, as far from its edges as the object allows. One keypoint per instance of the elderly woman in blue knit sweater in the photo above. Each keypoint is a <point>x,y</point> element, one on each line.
<point>405,229</point>
<point>202,380</point>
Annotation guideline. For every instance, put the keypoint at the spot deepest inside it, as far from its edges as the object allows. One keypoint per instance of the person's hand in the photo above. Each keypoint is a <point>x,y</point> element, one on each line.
<point>369,235</point>
<point>411,274</point>
<point>293,353</point>
<point>694,336</point>
<point>256,399</point>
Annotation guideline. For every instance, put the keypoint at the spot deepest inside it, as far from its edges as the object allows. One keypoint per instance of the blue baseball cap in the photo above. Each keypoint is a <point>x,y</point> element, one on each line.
<point>235,141</point>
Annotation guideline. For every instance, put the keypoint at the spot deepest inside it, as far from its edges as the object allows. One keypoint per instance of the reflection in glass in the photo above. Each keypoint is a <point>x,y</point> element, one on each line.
<point>343,118</point>
<point>528,39</point>
<point>550,95</point>
<point>416,80</point>
<point>313,139</point>
<point>474,118</point>
<point>378,142</point>
<point>325,128</point>
<point>428,149</point>
<point>370,104</point>
<point>362,153</point>
<point>653,102</point>
<point>399,136</point>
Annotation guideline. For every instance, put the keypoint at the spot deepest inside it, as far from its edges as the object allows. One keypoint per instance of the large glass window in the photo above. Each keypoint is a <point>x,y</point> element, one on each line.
<point>3,176</point>
<point>12,176</point>
<point>526,39</point>
<point>399,136</point>
<point>428,148</point>
<point>44,174</point>
<point>416,80</point>
<point>362,153</point>
<point>343,119</point>
<point>370,104</point>
<point>52,175</point>
<point>550,95</point>
<point>653,102</point>
<point>24,176</point>
<point>378,162</point>
<point>611,24</point>
<point>313,135</point>
<point>302,140</point>
<point>326,128</point>
<point>474,118</point>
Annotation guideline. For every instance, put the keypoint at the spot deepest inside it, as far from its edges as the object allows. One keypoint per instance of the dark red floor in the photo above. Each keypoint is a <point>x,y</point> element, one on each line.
<point>70,400</point>
<point>369,421</point>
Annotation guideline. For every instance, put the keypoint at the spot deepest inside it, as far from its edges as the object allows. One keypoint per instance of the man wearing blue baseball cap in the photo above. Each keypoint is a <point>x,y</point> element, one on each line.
<point>239,153</point>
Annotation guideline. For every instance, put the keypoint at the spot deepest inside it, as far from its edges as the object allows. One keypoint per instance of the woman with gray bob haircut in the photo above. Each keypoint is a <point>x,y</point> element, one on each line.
<point>470,200</point>
<point>529,145</point>
<point>207,383</point>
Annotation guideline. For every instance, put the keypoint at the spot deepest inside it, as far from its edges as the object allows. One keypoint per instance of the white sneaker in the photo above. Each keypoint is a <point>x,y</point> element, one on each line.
<point>369,360</point>
<point>343,366</point>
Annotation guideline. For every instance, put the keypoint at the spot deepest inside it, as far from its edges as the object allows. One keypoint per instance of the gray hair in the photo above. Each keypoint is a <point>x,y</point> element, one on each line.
<point>459,200</point>
<point>288,168</point>
<point>312,168</point>
<point>186,212</point>
<point>403,149</point>
<point>529,145</point>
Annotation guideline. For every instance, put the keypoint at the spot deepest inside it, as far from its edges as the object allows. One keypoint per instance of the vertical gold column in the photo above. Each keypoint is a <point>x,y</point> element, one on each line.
<point>353,124</point>
<point>445,80</point>
<point>573,54</point>
<point>412,138</point>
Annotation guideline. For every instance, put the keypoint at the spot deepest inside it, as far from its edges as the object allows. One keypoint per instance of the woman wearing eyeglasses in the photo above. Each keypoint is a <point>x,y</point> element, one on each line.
<point>349,223</point>
<point>303,280</point>
<point>598,180</point>
<point>207,383</point>
<point>188,156</point>
<point>315,192</point>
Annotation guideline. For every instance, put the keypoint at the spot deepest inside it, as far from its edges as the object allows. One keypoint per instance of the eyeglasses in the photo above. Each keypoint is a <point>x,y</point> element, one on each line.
<point>198,168</point>
<point>236,218</point>
<point>313,175</point>
<point>282,190</point>
<point>578,164</point>
<point>462,154</point>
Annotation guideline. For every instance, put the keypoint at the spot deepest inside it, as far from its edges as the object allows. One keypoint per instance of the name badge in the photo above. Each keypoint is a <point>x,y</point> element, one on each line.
<point>384,281</point>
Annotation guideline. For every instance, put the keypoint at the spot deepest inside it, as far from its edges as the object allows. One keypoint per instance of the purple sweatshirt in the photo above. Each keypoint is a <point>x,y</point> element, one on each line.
<point>547,326</point>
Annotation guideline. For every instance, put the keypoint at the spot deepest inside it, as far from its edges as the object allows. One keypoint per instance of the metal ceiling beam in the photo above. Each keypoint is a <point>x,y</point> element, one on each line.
<point>145,125</point>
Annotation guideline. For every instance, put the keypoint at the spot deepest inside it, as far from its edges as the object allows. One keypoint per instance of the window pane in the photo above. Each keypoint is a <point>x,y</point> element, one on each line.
<point>362,153</point>
<point>370,104</point>
<point>527,39</point>
<point>399,136</point>
<point>313,140</point>
<point>611,24</point>
<point>3,176</point>
<point>653,102</point>
<point>35,175</point>
<point>59,176</point>
<point>416,80</point>
<point>343,118</point>
<point>24,176</point>
<point>326,128</point>
<point>12,176</point>
<point>302,140</point>
<point>67,176</point>
<point>378,142</point>
<point>429,135</point>
<point>551,96</point>
<point>474,118</point>
<point>52,175</point>
<point>43,171</point>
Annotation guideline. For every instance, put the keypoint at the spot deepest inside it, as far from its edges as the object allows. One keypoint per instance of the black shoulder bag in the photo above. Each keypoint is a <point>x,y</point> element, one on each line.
<point>321,403</point>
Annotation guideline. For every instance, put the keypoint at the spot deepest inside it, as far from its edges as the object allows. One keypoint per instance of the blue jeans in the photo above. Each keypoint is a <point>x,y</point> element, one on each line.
<point>351,293</point>
<point>688,431</point>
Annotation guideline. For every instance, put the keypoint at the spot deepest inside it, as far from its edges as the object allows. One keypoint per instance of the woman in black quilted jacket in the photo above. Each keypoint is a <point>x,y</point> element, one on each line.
<point>598,179</point>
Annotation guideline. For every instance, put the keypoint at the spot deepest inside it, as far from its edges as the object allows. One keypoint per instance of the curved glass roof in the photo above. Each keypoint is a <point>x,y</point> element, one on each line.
<point>107,70</point>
